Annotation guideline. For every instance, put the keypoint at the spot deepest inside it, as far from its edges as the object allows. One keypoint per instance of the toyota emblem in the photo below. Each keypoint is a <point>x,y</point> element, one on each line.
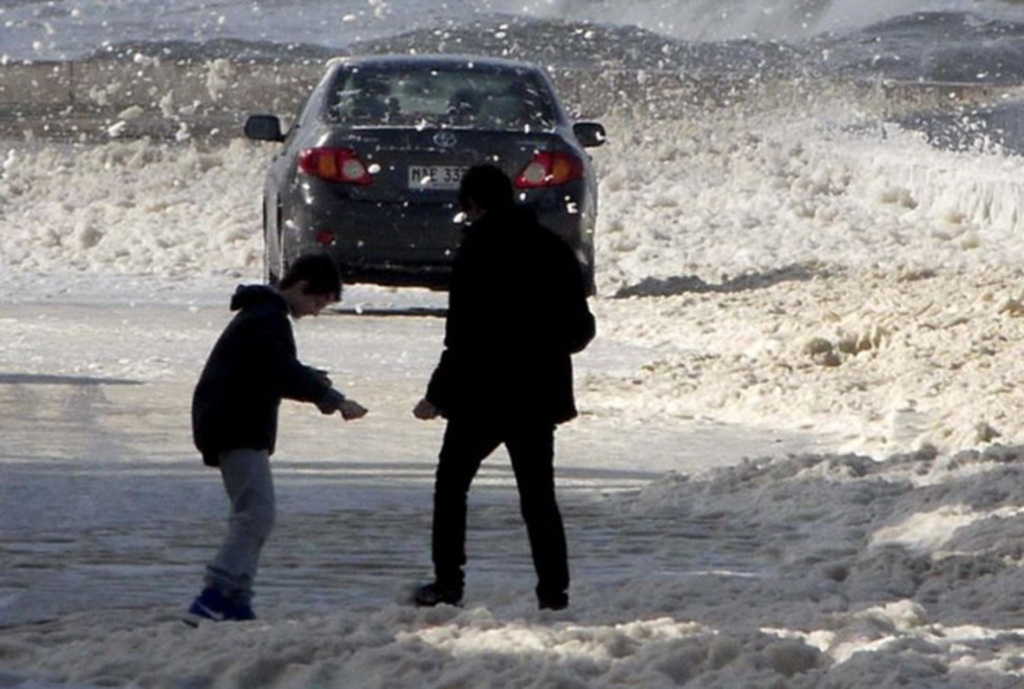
<point>445,139</point>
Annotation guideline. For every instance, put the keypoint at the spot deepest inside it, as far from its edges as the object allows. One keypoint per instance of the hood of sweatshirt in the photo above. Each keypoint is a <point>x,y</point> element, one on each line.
<point>249,296</point>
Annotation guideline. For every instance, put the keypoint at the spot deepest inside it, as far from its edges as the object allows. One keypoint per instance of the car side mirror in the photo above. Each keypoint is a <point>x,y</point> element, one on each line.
<point>264,128</point>
<point>590,134</point>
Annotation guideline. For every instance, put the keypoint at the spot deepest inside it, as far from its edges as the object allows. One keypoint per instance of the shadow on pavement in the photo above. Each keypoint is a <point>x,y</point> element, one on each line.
<point>44,379</point>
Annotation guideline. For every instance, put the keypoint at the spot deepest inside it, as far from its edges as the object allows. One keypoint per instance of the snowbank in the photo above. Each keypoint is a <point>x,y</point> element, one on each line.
<point>812,571</point>
<point>798,273</point>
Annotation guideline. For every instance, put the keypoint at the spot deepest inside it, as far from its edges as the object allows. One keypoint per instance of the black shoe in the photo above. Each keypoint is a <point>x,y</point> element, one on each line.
<point>557,601</point>
<point>429,595</point>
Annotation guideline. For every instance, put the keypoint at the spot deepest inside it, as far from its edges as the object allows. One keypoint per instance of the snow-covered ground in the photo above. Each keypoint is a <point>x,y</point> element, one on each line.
<point>799,462</point>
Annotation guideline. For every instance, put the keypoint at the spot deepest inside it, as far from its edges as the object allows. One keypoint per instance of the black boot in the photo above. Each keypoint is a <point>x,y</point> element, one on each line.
<point>436,593</point>
<point>552,600</point>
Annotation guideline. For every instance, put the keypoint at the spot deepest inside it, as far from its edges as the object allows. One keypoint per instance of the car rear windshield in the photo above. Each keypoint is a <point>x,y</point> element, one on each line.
<point>458,97</point>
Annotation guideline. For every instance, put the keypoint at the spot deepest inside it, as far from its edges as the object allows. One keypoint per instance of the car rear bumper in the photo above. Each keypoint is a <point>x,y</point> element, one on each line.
<point>407,244</point>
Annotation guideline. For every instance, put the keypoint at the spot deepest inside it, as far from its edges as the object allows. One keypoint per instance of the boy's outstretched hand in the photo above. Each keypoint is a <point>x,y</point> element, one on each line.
<point>350,409</point>
<point>334,401</point>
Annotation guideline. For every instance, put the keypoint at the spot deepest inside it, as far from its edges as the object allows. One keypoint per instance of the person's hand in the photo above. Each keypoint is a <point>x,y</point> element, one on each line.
<point>426,410</point>
<point>350,409</point>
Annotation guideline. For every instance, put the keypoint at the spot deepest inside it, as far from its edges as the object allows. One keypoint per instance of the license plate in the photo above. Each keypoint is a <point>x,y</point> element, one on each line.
<point>435,176</point>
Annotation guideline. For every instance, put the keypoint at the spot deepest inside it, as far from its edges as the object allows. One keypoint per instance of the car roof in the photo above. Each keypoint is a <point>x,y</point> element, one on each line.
<point>431,60</point>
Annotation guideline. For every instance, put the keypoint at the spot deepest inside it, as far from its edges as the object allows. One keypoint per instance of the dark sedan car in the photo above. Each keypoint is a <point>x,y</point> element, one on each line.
<point>370,169</point>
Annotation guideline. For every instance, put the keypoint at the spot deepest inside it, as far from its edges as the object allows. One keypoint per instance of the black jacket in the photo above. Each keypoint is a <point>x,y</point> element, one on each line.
<point>251,368</point>
<point>517,310</point>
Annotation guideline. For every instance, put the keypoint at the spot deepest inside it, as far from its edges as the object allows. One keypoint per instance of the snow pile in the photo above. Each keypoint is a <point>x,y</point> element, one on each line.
<point>134,207</point>
<point>803,572</point>
<point>883,362</point>
<point>735,194</point>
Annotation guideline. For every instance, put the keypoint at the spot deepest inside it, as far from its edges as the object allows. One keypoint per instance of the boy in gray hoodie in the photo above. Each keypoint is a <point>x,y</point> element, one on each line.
<point>252,367</point>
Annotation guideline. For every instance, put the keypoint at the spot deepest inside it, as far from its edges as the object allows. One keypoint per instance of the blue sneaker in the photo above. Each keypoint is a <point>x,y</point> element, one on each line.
<point>210,605</point>
<point>240,611</point>
<point>213,606</point>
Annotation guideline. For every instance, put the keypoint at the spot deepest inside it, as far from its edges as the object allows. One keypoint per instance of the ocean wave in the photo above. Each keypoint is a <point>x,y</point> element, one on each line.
<point>923,47</point>
<point>930,46</point>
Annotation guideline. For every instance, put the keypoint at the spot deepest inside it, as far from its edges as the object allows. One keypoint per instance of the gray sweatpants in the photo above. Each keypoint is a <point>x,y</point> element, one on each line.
<point>250,489</point>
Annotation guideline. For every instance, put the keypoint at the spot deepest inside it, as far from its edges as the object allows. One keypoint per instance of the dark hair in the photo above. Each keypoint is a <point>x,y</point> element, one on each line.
<point>318,270</point>
<point>486,186</point>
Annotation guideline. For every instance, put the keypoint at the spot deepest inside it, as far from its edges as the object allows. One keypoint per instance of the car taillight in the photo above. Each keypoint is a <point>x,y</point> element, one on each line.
<point>335,165</point>
<point>549,169</point>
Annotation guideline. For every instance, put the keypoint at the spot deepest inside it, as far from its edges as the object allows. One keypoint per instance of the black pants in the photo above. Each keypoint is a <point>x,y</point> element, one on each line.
<point>530,445</point>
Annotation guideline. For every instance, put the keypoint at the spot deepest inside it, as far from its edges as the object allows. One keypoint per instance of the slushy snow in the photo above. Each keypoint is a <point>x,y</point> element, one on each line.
<point>799,462</point>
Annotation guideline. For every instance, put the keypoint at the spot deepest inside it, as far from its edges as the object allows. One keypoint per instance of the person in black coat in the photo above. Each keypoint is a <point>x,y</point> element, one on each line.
<point>517,311</point>
<point>252,367</point>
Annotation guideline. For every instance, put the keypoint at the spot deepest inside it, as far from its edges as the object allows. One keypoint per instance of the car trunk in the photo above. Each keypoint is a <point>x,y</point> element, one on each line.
<point>419,227</point>
<point>429,162</point>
